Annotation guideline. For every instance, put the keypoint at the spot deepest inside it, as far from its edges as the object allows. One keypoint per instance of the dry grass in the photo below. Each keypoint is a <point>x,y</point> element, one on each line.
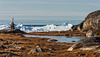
<point>56,33</point>
<point>28,43</point>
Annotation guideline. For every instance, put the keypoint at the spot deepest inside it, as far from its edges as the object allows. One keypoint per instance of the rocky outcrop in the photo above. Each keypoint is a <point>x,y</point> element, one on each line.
<point>85,41</point>
<point>11,31</point>
<point>90,48</point>
<point>36,50</point>
<point>92,21</point>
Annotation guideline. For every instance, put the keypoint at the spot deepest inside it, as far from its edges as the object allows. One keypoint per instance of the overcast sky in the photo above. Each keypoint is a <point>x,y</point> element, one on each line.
<point>29,9</point>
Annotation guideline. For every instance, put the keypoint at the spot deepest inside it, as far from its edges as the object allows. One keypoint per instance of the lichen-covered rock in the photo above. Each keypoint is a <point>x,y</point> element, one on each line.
<point>92,21</point>
<point>83,42</point>
<point>90,48</point>
<point>90,34</point>
<point>36,50</point>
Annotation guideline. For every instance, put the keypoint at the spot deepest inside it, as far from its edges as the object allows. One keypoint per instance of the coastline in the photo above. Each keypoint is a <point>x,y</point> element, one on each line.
<point>64,33</point>
<point>29,43</point>
<point>57,33</point>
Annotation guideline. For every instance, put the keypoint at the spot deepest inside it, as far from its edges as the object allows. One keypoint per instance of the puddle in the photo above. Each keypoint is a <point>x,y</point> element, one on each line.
<point>60,38</point>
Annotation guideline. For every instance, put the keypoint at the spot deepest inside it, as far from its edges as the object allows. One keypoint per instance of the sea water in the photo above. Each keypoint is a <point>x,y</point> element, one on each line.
<point>42,25</point>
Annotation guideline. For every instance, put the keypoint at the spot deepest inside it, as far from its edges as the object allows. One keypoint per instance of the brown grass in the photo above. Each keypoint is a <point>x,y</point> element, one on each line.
<point>28,43</point>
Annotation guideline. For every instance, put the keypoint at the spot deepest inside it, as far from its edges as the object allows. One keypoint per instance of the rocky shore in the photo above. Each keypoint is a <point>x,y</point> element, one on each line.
<point>14,44</point>
<point>91,22</point>
<point>19,46</point>
<point>65,33</point>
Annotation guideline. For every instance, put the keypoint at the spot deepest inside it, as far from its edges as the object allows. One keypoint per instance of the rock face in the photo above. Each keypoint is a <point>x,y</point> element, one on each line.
<point>92,21</point>
<point>85,41</point>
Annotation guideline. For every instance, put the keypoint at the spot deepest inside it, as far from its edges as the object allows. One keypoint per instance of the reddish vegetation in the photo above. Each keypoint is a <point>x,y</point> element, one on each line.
<point>56,33</point>
<point>29,43</point>
<point>66,33</point>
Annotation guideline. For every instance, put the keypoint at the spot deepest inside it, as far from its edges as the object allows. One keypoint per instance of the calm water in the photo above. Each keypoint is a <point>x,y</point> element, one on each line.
<point>59,38</point>
<point>41,22</point>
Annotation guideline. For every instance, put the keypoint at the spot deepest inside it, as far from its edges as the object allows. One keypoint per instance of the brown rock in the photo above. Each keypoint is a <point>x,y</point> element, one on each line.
<point>85,41</point>
<point>92,21</point>
<point>73,41</point>
<point>53,40</point>
<point>36,50</point>
<point>90,34</point>
<point>89,48</point>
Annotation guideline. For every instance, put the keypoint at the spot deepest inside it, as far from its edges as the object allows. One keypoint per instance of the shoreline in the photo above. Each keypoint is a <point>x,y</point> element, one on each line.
<point>57,33</point>
<point>29,43</point>
<point>64,33</point>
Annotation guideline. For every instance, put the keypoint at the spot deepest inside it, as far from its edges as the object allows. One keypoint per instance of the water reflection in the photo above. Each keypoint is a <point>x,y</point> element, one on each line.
<point>67,39</point>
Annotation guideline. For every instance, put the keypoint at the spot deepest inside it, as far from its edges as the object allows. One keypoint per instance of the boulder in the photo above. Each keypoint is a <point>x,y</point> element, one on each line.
<point>89,48</point>
<point>92,21</point>
<point>90,34</point>
<point>33,51</point>
<point>85,41</point>
<point>40,50</point>
<point>36,50</point>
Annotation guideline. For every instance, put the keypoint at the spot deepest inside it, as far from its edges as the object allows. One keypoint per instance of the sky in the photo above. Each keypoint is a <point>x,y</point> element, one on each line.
<point>47,9</point>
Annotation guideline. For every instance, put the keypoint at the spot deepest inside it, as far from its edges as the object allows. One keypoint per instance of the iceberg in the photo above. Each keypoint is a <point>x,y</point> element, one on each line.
<point>46,28</point>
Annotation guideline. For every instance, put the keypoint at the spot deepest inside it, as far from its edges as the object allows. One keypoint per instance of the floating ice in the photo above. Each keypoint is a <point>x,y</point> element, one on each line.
<point>52,27</point>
